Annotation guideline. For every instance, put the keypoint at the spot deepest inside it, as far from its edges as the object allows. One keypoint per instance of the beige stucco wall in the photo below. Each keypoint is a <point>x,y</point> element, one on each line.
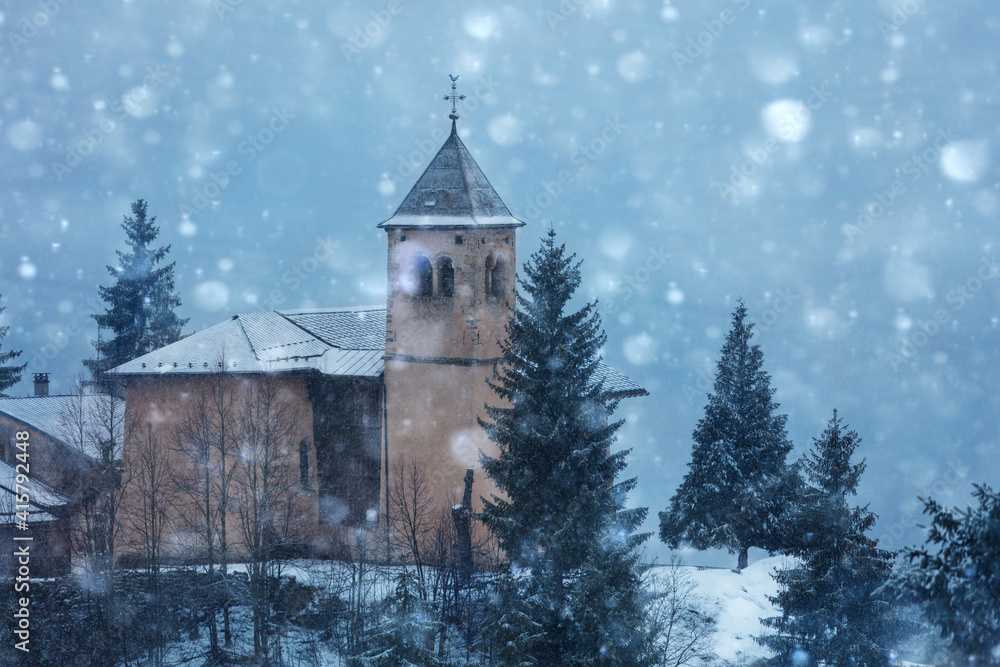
<point>55,465</point>
<point>464,326</point>
<point>165,402</point>
<point>439,353</point>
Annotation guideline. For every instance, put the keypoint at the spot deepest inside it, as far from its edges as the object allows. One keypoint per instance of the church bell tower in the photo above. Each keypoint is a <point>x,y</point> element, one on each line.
<point>451,264</point>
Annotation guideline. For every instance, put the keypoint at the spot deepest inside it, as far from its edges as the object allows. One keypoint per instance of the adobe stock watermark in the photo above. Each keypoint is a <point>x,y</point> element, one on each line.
<point>939,488</point>
<point>702,387</point>
<point>60,340</point>
<point>124,105</point>
<point>789,126</point>
<point>223,8</point>
<point>564,10</point>
<point>364,36</point>
<point>697,44</point>
<point>424,149</point>
<point>901,12</point>
<point>31,25</point>
<point>958,297</point>
<point>293,278</point>
<point>883,200</point>
<point>581,159</point>
<point>249,149</point>
<point>779,305</point>
<point>655,260</point>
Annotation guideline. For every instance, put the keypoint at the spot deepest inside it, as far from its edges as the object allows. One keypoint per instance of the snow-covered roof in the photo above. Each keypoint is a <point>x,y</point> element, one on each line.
<point>41,498</point>
<point>335,341</point>
<point>616,384</point>
<point>452,192</point>
<point>59,417</point>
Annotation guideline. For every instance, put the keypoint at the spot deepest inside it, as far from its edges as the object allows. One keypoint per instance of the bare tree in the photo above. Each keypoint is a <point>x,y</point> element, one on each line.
<point>353,584</point>
<point>96,426</point>
<point>147,512</point>
<point>683,633</point>
<point>220,405</point>
<point>410,515</point>
<point>267,485</point>
<point>206,440</point>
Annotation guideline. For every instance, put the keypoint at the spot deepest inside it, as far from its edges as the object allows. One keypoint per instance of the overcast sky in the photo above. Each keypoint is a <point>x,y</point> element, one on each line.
<point>832,163</point>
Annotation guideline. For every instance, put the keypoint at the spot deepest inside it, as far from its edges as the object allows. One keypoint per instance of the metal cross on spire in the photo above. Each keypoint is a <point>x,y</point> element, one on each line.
<point>454,97</point>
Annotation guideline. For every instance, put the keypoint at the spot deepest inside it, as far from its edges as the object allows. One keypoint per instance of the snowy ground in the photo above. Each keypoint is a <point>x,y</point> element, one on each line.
<point>738,601</point>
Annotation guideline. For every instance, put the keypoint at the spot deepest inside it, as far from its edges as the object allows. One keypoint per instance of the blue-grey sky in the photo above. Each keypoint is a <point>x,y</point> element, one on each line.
<point>832,163</point>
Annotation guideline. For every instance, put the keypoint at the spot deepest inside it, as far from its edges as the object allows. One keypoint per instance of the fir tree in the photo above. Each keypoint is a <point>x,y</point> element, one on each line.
<point>141,303</point>
<point>404,636</point>
<point>955,577</point>
<point>737,481</point>
<point>562,517</point>
<point>9,374</point>
<point>829,614</point>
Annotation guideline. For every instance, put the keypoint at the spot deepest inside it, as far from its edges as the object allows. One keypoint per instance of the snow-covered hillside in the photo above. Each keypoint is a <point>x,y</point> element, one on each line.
<point>738,601</point>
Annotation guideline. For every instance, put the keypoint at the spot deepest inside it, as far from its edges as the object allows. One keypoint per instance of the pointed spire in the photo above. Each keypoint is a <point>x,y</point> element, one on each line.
<point>452,191</point>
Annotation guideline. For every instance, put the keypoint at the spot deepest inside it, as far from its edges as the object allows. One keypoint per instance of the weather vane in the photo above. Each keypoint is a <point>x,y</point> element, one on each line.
<point>454,97</point>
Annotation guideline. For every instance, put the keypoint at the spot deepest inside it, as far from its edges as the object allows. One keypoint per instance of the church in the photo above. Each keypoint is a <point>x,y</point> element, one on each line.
<point>373,388</point>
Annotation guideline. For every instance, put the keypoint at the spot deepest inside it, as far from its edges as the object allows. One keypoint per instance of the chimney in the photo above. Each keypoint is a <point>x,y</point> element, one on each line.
<point>41,384</point>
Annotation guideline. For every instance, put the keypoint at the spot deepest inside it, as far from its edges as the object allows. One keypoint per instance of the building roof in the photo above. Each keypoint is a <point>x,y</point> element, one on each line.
<point>75,421</point>
<point>452,192</point>
<point>335,341</point>
<point>42,499</point>
<point>617,385</point>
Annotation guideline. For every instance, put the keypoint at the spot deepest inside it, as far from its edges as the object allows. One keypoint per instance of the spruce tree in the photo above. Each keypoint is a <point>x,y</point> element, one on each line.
<point>955,577</point>
<point>562,520</point>
<point>404,634</point>
<point>9,374</point>
<point>141,303</point>
<point>829,615</point>
<point>737,481</point>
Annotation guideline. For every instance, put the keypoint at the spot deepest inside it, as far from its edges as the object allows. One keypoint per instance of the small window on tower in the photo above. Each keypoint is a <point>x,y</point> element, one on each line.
<point>304,476</point>
<point>489,274</point>
<point>446,277</point>
<point>419,279</point>
<point>458,239</point>
<point>498,278</point>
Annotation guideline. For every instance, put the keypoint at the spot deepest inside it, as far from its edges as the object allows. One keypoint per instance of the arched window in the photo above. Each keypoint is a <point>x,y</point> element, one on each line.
<point>304,475</point>
<point>419,281</point>
<point>489,274</point>
<point>498,276</point>
<point>446,277</point>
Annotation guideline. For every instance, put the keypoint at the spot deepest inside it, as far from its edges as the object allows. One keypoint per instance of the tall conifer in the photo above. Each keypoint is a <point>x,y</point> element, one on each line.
<point>562,519</point>
<point>9,374</point>
<point>141,303</point>
<point>829,614</point>
<point>737,481</point>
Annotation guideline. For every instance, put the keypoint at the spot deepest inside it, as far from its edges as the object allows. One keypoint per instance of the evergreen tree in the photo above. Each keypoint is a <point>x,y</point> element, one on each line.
<point>9,374</point>
<point>737,481</point>
<point>141,303</point>
<point>562,519</point>
<point>405,633</point>
<point>510,633</point>
<point>829,614</point>
<point>955,577</point>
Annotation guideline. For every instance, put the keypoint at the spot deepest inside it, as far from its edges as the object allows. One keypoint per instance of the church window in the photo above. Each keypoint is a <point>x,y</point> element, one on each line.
<point>498,277</point>
<point>304,475</point>
<point>446,277</point>
<point>489,274</point>
<point>459,240</point>
<point>419,280</point>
